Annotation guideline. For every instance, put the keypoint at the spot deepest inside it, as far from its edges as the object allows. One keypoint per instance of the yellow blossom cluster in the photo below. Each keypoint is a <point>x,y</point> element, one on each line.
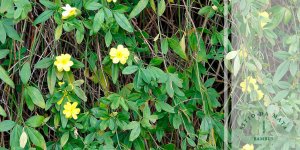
<point>249,85</point>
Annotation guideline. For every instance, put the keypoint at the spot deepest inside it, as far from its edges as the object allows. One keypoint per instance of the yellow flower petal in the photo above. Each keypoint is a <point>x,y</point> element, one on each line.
<point>67,106</point>
<point>68,12</point>
<point>248,147</point>
<point>113,52</point>
<point>120,54</point>
<point>61,83</point>
<point>123,60</point>
<point>260,94</point>
<point>120,47</point>
<point>74,116</point>
<point>70,110</point>
<point>116,60</point>
<point>74,105</point>
<point>249,84</point>
<point>76,111</point>
<point>63,62</point>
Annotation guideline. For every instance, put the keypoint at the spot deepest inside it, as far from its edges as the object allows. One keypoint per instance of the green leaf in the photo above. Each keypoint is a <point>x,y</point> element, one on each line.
<point>6,125</point>
<point>44,63</point>
<point>293,68</point>
<point>36,138</point>
<point>209,82</point>
<point>51,79</point>
<point>164,46</point>
<point>58,32</point>
<point>6,5</point>
<point>115,73</point>
<point>169,88</point>
<point>135,132</point>
<point>287,16</point>
<point>11,32</point>
<point>35,121</point>
<point>281,71</point>
<point>138,8</point>
<point>43,17</point>
<point>4,77</point>
<point>80,93</point>
<point>193,41</point>
<point>166,107</point>
<point>36,96</point>
<point>115,100</point>
<point>176,121</point>
<point>77,64</point>
<point>169,147</point>
<point>89,138</point>
<point>79,36</point>
<point>191,142</point>
<point>108,38</point>
<point>123,22</point>
<point>48,4</point>
<point>25,73</point>
<point>156,61</point>
<point>15,136</point>
<point>130,69</point>
<point>28,100</point>
<point>175,46</point>
<point>63,119</point>
<point>205,10</point>
<point>3,52</point>
<point>2,33</point>
<point>2,112</point>
<point>64,139</point>
<point>98,20</point>
<point>152,4</point>
<point>161,7</point>
<point>92,5</point>
<point>18,13</point>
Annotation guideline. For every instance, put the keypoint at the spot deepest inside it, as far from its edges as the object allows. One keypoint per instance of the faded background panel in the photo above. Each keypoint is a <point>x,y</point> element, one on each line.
<point>264,69</point>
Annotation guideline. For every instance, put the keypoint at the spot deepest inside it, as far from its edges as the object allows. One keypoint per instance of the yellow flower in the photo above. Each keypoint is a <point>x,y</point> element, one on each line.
<point>111,1</point>
<point>264,18</point>
<point>69,12</point>
<point>119,54</point>
<point>63,62</point>
<point>61,100</point>
<point>61,83</point>
<point>214,7</point>
<point>248,147</point>
<point>243,53</point>
<point>70,110</point>
<point>248,84</point>
<point>260,94</point>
